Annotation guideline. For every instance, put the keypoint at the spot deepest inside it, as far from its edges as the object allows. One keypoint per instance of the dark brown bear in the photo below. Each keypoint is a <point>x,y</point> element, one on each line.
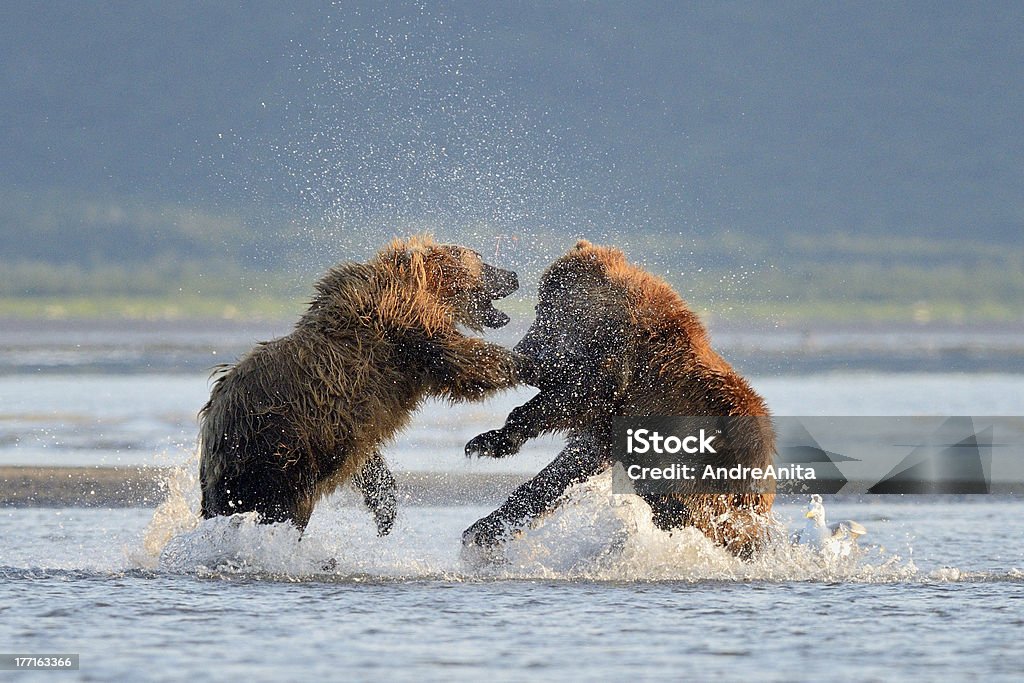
<point>299,415</point>
<point>612,340</point>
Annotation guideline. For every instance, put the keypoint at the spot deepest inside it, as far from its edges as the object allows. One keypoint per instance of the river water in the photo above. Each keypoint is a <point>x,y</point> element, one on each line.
<point>935,589</point>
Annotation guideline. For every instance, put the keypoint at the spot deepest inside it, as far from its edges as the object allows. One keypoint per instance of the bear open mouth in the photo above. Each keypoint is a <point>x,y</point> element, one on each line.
<point>492,317</point>
<point>498,284</point>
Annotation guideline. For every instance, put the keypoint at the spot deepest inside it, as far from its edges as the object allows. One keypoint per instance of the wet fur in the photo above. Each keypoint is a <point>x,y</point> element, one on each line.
<point>613,340</point>
<point>299,415</point>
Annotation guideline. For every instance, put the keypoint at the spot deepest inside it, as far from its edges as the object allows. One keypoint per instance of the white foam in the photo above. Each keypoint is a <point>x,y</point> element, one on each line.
<point>594,535</point>
<point>176,515</point>
<point>599,535</point>
<point>240,544</point>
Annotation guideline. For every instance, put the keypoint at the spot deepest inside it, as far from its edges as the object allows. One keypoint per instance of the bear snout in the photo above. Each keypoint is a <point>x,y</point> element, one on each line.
<point>499,282</point>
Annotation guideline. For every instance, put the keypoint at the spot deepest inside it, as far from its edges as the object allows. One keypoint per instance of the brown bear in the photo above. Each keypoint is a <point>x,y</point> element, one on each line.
<point>611,340</point>
<point>299,415</point>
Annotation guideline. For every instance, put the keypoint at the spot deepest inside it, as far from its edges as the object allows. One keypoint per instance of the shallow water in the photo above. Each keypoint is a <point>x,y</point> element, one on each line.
<point>936,588</point>
<point>594,592</point>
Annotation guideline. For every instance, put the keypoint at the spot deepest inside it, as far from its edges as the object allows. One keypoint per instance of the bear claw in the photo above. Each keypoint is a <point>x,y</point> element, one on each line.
<point>492,444</point>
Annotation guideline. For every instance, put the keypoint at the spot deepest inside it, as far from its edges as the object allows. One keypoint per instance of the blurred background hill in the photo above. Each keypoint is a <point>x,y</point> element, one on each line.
<point>777,161</point>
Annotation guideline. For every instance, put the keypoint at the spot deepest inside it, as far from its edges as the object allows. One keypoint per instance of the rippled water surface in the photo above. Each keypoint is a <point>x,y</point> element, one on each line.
<point>935,590</point>
<point>595,592</point>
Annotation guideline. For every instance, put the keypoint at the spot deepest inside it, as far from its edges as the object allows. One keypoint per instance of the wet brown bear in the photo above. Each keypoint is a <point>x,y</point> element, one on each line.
<point>299,415</point>
<point>612,340</point>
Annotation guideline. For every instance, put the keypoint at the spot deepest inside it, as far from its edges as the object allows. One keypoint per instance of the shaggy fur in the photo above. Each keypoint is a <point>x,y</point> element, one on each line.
<point>299,415</point>
<point>613,340</point>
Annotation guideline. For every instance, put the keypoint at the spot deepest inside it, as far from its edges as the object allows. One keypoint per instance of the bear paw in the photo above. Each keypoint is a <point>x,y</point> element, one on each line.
<point>496,443</point>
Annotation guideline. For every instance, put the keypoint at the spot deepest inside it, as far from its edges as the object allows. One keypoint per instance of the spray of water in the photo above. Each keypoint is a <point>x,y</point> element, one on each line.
<point>402,129</point>
<point>596,535</point>
<point>176,515</point>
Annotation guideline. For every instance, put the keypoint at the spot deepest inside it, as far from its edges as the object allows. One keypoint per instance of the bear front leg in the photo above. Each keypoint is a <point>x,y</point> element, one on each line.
<point>497,443</point>
<point>545,412</point>
<point>578,461</point>
<point>379,490</point>
<point>469,369</point>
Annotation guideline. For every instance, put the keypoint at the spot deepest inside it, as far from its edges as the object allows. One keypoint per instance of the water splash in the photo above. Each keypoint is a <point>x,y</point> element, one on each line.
<point>599,535</point>
<point>595,535</point>
<point>239,544</point>
<point>176,515</point>
<point>400,128</point>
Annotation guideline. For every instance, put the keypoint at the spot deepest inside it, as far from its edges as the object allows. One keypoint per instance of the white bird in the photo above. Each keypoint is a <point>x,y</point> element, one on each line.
<point>836,539</point>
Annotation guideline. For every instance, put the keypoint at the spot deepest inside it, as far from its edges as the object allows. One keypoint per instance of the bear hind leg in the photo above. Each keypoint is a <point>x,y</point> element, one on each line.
<point>275,501</point>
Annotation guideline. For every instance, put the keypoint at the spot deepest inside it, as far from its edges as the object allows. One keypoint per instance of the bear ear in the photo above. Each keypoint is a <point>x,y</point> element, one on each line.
<point>583,244</point>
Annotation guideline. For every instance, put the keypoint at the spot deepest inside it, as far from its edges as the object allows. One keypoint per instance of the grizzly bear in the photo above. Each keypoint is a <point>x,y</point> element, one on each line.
<point>611,340</point>
<point>299,415</point>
